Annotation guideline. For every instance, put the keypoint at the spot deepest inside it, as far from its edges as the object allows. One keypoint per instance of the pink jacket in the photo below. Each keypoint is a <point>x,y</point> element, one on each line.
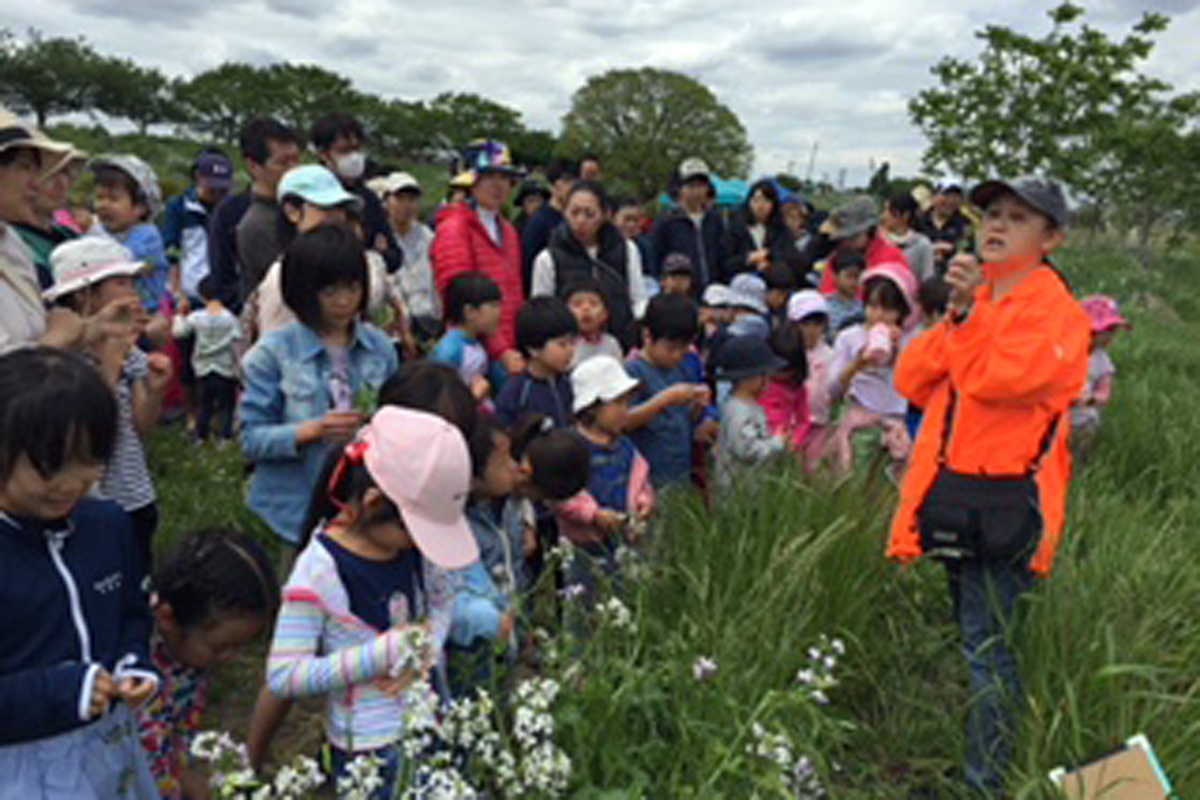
<point>786,406</point>
<point>461,244</point>
<point>577,516</point>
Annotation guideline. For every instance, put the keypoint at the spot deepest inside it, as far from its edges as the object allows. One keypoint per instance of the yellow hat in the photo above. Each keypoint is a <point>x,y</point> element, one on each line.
<point>463,180</point>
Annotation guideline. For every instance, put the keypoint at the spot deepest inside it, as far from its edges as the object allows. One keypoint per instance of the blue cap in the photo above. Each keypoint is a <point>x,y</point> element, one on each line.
<point>317,185</point>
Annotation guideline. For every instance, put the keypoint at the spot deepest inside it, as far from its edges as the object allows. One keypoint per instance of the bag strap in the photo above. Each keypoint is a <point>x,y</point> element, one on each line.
<point>1043,447</point>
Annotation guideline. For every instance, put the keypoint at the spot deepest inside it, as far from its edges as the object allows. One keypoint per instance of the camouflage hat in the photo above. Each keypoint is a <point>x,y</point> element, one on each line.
<point>858,215</point>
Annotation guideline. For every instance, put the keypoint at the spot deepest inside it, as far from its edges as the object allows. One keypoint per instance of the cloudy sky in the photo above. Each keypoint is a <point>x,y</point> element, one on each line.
<point>837,73</point>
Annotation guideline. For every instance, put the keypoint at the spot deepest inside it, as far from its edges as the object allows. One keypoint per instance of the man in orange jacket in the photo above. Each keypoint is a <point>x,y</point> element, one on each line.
<point>1011,355</point>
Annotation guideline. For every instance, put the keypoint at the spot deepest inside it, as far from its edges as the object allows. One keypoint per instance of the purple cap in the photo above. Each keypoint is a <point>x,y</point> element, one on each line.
<point>216,169</point>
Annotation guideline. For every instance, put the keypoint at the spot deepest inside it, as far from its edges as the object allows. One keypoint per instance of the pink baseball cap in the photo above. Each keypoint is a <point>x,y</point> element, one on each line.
<point>1103,313</point>
<point>421,462</point>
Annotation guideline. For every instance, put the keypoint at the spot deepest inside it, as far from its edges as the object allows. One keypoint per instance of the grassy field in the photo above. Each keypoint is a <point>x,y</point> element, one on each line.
<point>1110,645</point>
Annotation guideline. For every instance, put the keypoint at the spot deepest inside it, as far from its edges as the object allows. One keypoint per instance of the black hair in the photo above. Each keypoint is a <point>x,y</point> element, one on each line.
<point>483,442</point>
<point>845,260</point>
<point>113,177</point>
<point>561,168</point>
<point>952,188</point>
<point>328,128</point>
<point>542,319</point>
<point>328,255</point>
<point>329,496</point>
<point>626,201</point>
<point>933,295</point>
<point>435,389</point>
<point>215,572</point>
<point>771,192</point>
<point>585,284</point>
<point>54,408</point>
<point>884,292</point>
<point>286,230</point>
<point>208,288</point>
<point>903,204</point>
<point>595,189</point>
<point>787,342</point>
<point>589,156</point>
<point>672,317</point>
<point>560,461</point>
<point>779,276</point>
<point>471,288</point>
<point>254,140</point>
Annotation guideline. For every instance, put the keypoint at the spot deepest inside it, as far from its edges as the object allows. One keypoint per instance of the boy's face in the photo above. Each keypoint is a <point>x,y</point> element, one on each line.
<point>29,493</point>
<point>117,210</point>
<point>590,312</point>
<point>483,319</point>
<point>501,475</point>
<point>846,282</point>
<point>556,355</point>
<point>812,328</point>
<point>676,283</point>
<point>776,298</point>
<point>663,353</point>
<point>753,386</point>
<point>1013,232</point>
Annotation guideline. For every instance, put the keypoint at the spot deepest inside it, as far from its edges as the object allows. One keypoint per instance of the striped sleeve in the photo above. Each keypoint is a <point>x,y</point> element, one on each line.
<point>296,669</point>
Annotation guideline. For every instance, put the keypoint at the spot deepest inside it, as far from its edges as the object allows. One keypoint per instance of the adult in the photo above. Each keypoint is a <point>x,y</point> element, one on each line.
<point>760,237</point>
<point>693,227</point>
<point>996,379</point>
<point>402,199</point>
<point>243,238</point>
<point>899,221</point>
<point>945,224</point>
<point>536,235</point>
<point>476,236</point>
<point>41,232</point>
<point>186,218</point>
<point>589,246</point>
<point>589,168</point>
<point>854,228</point>
<point>340,143</point>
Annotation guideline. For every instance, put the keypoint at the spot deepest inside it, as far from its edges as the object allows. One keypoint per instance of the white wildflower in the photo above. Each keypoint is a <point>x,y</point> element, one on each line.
<point>617,615</point>
<point>572,592</point>
<point>704,668</point>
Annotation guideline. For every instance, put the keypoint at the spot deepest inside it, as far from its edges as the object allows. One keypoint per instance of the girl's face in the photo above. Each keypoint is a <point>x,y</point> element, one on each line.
<point>613,416</point>
<point>340,304</point>
<point>501,476</point>
<point>100,295</point>
<point>584,216</point>
<point>387,536</point>
<point>590,312</point>
<point>1014,233</point>
<point>813,330</point>
<point>308,217</point>
<point>761,206</point>
<point>29,493</point>
<point>217,641</point>
<point>1103,338</point>
<point>876,314</point>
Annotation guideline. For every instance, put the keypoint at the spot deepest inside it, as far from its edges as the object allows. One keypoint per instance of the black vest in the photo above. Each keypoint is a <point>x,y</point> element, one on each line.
<point>609,268</point>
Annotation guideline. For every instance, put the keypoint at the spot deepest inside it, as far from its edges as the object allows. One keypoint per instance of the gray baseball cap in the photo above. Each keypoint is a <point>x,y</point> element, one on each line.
<point>1042,194</point>
<point>856,216</point>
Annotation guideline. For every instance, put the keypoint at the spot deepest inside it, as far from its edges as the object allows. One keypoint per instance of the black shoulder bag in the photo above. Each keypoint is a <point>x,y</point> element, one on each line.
<point>984,517</point>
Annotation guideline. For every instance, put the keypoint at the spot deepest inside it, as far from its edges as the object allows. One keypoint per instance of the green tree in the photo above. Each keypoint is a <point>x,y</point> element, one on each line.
<point>302,93</point>
<point>219,101</point>
<point>643,123</point>
<point>458,118</point>
<point>142,95</point>
<point>46,77</point>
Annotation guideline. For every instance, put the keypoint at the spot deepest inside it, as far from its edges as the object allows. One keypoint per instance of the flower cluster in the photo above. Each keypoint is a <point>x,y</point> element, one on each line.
<point>232,776</point>
<point>818,677</point>
<point>415,647</point>
<point>362,779</point>
<point>562,553</point>
<point>797,773</point>
<point>615,614</point>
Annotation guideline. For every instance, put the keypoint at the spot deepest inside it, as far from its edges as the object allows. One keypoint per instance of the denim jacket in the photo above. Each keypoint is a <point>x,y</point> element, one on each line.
<point>287,383</point>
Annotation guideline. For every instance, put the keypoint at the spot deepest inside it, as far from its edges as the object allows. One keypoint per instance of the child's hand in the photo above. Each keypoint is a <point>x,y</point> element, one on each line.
<point>117,320</point>
<point>159,377</point>
<point>103,692</point>
<point>480,388</point>
<point>964,275</point>
<point>135,691</point>
<point>531,542</point>
<point>609,521</point>
<point>703,395</point>
<point>505,629</point>
<point>157,328</point>
<point>706,432</point>
<point>394,687</point>
<point>680,394</point>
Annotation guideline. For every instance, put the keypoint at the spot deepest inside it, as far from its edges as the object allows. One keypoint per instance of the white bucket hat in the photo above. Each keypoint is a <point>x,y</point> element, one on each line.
<point>599,379</point>
<point>83,262</point>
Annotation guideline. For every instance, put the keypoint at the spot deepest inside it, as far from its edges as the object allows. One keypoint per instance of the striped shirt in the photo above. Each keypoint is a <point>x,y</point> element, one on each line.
<point>126,477</point>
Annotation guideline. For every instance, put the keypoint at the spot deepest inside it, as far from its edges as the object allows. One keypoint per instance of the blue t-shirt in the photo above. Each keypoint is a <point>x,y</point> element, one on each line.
<point>523,394</point>
<point>611,468</point>
<point>375,587</point>
<point>146,244</point>
<point>665,441</point>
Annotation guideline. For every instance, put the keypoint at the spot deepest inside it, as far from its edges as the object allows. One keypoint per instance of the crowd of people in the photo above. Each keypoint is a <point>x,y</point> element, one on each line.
<point>428,408</point>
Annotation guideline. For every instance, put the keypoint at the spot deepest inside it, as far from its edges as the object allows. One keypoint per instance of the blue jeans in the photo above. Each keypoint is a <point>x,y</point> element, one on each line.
<point>985,595</point>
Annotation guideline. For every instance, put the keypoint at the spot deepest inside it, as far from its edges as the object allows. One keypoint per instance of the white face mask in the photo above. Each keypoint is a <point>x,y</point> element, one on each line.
<point>351,165</point>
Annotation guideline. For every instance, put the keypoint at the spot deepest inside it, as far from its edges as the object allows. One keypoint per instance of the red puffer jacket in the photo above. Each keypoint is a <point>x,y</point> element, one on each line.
<point>462,244</point>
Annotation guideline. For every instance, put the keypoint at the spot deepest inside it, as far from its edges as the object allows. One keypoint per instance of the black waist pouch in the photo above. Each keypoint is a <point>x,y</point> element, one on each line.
<point>980,517</point>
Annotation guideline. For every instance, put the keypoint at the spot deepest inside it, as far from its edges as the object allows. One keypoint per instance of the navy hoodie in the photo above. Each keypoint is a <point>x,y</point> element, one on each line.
<point>71,602</point>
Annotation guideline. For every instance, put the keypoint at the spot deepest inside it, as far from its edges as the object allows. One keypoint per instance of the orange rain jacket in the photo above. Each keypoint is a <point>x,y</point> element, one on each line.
<point>1015,363</point>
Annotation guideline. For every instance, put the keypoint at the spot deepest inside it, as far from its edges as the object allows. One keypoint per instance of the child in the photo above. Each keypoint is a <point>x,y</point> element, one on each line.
<point>472,305</point>
<point>90,274</point>
<point>546,333</point>
<point>619,496</point>
<point>214,595</point>
<point>128,199</point>
<point>1105,318</point>
<point>214,356</point>
<point>73,618</point>
<point>585,298</point>
<point>306,383</point>
<point>677,275</point>
<point>391,513</point>
<point>668,401</point>
<point>785,398</point>
<point>748,299</point>
<point>781,282</point>
<point>845,307</point>
<point>745,439</point>
<point>809,312</point>
<point>932,295</point>
<point>863,358</point>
